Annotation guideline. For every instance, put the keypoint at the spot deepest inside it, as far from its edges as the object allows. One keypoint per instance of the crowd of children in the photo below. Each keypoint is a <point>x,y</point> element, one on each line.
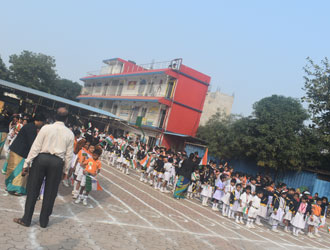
<point>245,199</point>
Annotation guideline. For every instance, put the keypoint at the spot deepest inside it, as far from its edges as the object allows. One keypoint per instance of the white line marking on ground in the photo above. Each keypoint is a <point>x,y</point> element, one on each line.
<point>75,217</point>
<point>282,245</point>
<point>207,229</point>
<point>152,208</point>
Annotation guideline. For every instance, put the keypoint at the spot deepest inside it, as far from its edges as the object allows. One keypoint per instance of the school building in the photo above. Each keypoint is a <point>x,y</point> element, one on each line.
<point>165,99</point>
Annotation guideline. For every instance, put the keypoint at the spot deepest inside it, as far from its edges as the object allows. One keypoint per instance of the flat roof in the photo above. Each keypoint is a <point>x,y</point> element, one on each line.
<point>57,98</point>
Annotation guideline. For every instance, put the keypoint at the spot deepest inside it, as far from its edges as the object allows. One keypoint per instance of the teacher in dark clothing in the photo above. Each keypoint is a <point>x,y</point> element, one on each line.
<point>50,157</point>
<point>184,178</point>
<point>19,150</point>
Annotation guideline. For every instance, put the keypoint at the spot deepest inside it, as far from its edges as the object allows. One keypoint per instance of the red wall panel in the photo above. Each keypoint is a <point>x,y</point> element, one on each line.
<point>183,120</point>
<point>194,73</point>
<point>190,92</point>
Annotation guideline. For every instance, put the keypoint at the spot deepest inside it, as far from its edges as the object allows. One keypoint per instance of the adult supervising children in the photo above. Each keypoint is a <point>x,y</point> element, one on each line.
<point>50,156</point>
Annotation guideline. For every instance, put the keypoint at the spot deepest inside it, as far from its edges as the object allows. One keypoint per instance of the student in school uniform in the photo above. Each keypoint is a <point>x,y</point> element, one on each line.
<point>298,221</point>
<point>254,206</point>
<point>262,213</point>
<point>80,168</point>
<point>92,168</point>
<point>77,147</point>
<point>159,171</point>
<point>219,192</point>
<point>225,199</point>
<point>314,220</point>
<point>168,167</point>
<point>193,185</point>
<point>288,209</point>
<point>278,210</point>
<point>234,202</point>
<point>244,200</point>
<point>206,185</point>
<point>324,210</point>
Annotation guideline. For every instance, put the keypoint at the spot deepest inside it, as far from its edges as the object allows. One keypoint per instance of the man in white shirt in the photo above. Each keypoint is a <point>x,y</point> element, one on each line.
<point>50,157</point>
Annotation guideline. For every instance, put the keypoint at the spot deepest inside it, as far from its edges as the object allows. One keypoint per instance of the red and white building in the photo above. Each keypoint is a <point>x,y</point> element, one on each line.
<point>169,97</point>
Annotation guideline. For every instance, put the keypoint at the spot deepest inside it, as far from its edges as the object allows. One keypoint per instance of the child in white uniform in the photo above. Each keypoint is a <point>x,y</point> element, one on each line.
<point>244,200</point>
<point>219,191</point>
<point>254,206</point>
<point>234,202</point>
<point>279,210</point>
<point>298,220</point>
<point>225,199</point>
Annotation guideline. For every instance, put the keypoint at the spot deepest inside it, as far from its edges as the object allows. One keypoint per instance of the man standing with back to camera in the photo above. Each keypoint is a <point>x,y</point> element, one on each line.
<point>50,156</point>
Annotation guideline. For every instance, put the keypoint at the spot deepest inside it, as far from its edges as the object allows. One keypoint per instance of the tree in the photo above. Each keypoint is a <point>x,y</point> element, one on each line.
<point>33,70</point>
<point>37,71</point>
<point>275,136</point>
<point>317,87</point>
<point>4,73</point>
<point>279,122</point>
<point>67,88</point>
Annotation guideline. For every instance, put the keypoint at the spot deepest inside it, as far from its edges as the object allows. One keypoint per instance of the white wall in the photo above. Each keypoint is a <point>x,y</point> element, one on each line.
<point>216,101</point>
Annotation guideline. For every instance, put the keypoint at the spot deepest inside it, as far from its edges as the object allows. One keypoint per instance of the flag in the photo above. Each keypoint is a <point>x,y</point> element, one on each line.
<point>145,161</point>
<point>328,229</point>
<point>133,164</point>
<point>110,140</point>
<point>92,184</point>
<point>123,146</point>
<point>245,210</point>
<point>204,160</point>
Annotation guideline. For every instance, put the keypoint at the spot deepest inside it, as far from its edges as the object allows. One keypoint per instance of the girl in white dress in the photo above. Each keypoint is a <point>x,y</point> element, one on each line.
<point>225,199</point>
<point>299,219</point>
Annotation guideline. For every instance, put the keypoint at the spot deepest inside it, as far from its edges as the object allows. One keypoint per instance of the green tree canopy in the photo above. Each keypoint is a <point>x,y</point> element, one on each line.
<point>4,73</point>
<point>279,122</point>
<point>37,71</point>
<point>33,70</point>
<point>274,136</point>
<point>317,87</point>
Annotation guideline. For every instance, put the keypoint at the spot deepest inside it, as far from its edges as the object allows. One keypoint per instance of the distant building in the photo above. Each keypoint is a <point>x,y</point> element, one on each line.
<point>167,97</point>
<point>214,102</point>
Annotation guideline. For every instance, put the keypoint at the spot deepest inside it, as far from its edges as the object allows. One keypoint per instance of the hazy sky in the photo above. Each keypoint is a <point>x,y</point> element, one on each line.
<point>251,48</point>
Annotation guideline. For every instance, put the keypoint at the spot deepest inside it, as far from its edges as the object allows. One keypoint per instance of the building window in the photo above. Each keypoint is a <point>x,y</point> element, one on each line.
<point>142,86</point>
<point>150,91</point>
<point>144,112</point>
<point>162,118</point>
<point>114,109</point>
<point>169,89</point>
<point>151,142</point>
<point>101,105</point>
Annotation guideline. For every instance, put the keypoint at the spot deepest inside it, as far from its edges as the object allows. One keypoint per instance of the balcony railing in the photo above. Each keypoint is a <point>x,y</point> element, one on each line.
<point>173,64</point>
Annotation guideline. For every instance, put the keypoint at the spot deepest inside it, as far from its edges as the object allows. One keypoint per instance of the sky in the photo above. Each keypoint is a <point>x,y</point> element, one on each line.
<point>252,49</point>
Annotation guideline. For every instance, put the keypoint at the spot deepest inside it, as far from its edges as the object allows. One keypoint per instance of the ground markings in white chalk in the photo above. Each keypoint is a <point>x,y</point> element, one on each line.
<point>291,244</point>
<point>32,234</point>
<point>160,213</point>
<point>188,218</point>
<point>79,222</point>
<point>317,240</point>
<point>128,225</point>
<point>138,215</point>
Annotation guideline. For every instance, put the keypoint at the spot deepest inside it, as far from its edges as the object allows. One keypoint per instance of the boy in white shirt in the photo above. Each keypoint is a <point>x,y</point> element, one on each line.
<point>168,166</point>
<point>244,200</point>
<point>254,209</point>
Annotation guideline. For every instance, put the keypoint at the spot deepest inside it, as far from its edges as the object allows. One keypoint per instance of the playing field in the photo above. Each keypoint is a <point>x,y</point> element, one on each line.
<point>129,214</point>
